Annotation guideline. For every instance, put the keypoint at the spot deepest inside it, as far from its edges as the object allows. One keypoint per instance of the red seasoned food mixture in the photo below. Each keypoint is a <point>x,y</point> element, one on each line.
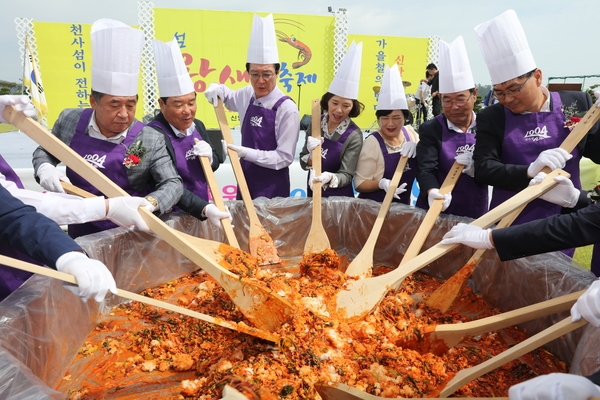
<point>142,351</point>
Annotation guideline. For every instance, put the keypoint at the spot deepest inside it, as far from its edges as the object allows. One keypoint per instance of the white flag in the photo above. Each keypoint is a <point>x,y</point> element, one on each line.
<point>33,82</point>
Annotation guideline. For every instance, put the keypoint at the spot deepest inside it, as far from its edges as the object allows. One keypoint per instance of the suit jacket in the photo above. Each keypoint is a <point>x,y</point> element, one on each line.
<point>189,202</point>
<point>156,170</point>
<point>30,232</point>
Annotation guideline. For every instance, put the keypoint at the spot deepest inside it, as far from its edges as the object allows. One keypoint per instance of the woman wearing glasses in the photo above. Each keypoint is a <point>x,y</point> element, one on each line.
<point>450,137</point>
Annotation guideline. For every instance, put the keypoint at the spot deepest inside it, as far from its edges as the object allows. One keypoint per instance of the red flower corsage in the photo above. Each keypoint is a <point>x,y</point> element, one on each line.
<point>571,122</point>
<point>135,154</point>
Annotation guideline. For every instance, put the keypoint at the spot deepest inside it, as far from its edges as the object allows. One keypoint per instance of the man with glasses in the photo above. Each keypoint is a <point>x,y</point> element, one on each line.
<point>270,119</point>
<point>450,137</point>
<point>521,135</point>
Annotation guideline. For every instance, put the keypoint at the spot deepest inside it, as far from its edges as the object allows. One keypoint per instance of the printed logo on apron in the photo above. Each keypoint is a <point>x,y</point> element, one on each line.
<point>96,160</point>
<point>537,134</point>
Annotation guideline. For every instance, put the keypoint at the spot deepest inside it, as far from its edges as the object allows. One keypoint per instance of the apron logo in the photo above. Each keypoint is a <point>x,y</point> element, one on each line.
<point>95,160</point>
<point>189,155</point>
<point>467,148</point>
<point>537,134</point>
<point>256,121</point>
<point>324,153</point>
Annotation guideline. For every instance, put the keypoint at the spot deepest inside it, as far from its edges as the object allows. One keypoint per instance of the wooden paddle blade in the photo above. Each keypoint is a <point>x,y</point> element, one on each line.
<point>467,375</point>
<point>362,264</point>
<point>317,239</point>
<point>258,238</point>
<point>340,391</point>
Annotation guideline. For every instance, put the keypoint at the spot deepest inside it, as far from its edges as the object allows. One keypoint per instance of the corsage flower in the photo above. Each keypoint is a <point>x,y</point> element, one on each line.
<point>135,154</point>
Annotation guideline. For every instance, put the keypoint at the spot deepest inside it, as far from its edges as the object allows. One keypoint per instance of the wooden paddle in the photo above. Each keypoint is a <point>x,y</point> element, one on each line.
<point>467,375</point>
<point>259,241</point>
<point>51,273</point>
<point>360,296</point>
<point>446,294</point>
<point>317,239</point>
<point>340,391</point>
<point>439,338</point>
<point>362,264</point>
<point>218,200</point>
<point>259,304</point>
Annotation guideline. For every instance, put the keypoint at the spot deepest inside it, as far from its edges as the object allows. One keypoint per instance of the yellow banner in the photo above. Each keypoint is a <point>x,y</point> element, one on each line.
<point>409,53</point>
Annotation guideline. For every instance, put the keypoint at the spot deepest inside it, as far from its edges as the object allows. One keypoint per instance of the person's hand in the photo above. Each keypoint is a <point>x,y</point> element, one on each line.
<point>588,305</point>
<point>241,150</point>
<point>384,184</point>
<point>203,149</point>
<point>123,211</point>
<point>215,215</point>
<point>312,142</point>
<point>229,393</point>
<point>50,178</point>
<point>556,386</point>
<point>469,235</point>
<point>93,278</point>
<point>564,194</point>
<point>409,149</point>
<point>434,194</point>
<point>551,158</point>
<point>20,102</point>
<point>213,93</point>
<point>466,159</point>
<point>596,95</point>
<point>326,178</point>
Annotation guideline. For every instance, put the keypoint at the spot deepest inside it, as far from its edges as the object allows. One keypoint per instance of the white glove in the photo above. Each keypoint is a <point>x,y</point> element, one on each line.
<point>312,142</point>
<point>551,158</point>
<point>597,96</point>
<point>466,159</point>
<point>224,146</point>
<point>556,386</point>
<point>564,194</point>
<point>123,211</point>
<point>588,305</point>
<point>230,393</point>
<point>215,215</point>
<point>20,102</point>
<point>469,235</point>
<point>409,149</point>
<point>327,179</point>
<point>203,149</point>
<point>93,278</point>
<point>434,194</point>
<point>213,93</point>
<point>241,150</point>
<point>384,184</point>
<point>50,178</point>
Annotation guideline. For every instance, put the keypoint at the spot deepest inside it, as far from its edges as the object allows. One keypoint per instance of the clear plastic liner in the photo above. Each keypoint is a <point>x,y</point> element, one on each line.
<point>42,325</point>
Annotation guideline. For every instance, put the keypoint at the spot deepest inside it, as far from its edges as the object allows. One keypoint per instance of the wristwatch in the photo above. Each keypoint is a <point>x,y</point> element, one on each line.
<point>152,200</point>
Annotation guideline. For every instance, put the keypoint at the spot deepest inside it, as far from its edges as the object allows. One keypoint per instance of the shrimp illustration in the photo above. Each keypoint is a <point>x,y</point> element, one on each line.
<point>304,53</point>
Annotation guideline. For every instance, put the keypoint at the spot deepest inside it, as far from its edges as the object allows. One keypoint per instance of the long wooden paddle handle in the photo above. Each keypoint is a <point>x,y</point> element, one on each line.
<point>432,214</point>
<point>236,165</point>
<point>218,200</point>
<point>51,273</point>
<point>341,391</point>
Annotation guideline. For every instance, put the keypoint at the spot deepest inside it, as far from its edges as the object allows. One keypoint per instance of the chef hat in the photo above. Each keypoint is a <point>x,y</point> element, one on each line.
<point>263,45</point>
<point>347,78</point>
<point>171,72</point>
<point>455,70</point>
<point>391,94</point>
<point>116,57</point>
<point>504,47</point>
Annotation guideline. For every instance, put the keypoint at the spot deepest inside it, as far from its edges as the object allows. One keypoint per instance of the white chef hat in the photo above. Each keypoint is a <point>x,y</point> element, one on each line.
<point>171,72</point>
<point>391,94</point>
<point>263,44</point>
<point>455,70</point>
<point>346,81</point>
<point>504,47</point>
<point>116,57</point>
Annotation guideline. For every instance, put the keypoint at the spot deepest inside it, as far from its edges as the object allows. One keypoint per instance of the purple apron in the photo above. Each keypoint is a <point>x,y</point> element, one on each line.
<point>332,161</point>
<point>258,132</point>
<point>187,164</point>
<point>108,158</point>
<point>391,162</point>
<point>525,133</point>
<point>468,199</point>
<point>12,278</point>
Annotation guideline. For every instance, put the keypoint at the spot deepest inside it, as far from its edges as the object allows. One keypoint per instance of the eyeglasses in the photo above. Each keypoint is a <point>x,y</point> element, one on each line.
<point>458,103</point>
<point>511,93</point>
<point>266,76</point>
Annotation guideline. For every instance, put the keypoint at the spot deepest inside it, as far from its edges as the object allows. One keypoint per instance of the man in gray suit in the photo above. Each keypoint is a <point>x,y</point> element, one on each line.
<point>108,136</point>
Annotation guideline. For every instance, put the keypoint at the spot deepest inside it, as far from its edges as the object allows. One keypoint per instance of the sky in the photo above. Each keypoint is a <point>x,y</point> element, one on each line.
<point>561,34</point>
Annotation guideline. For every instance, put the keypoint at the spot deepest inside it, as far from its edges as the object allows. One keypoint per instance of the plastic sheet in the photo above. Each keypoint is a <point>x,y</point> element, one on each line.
<point>42,325</point>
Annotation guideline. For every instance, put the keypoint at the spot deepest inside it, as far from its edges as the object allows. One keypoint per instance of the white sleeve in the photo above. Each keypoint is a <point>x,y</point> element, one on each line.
<point>63,209</point>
